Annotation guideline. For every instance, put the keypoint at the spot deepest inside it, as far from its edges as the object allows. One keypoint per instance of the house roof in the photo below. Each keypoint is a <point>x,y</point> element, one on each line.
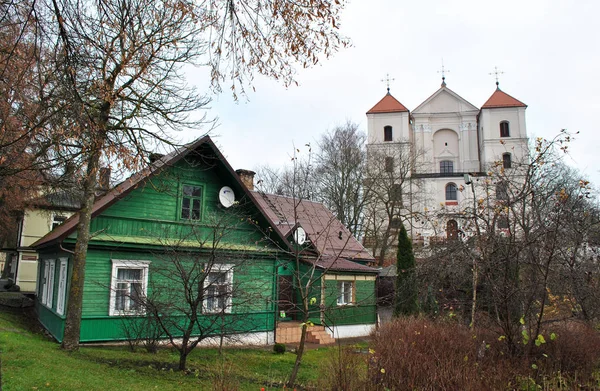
<point>70,225</point>
<point>326,233</point>
<point>342,265</point>
<point>501,99</point>
<point>388,104</point>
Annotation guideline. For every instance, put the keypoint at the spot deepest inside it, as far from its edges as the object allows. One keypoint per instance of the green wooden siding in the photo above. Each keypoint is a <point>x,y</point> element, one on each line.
<point>362,311</point>
<point>54,323</point>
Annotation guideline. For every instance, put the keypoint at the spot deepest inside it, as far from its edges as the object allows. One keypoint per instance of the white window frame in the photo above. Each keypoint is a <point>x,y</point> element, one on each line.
<point>62,219</point>
<point>218,268</point>
<point>48,286</point>
<point>341,300</point>
<point>126,264</point>
<point>62,286</point>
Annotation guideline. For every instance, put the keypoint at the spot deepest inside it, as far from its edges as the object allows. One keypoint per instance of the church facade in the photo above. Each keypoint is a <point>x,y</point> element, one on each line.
<point>425,153</point>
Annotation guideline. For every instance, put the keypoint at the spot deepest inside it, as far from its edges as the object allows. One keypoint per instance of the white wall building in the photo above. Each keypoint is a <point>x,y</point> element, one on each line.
<point>448,137</point>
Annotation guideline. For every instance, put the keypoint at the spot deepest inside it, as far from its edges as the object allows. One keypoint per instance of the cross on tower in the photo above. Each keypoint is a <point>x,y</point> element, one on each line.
<point>387,80</point>
<point>496,73</point>
<point>443,72</point>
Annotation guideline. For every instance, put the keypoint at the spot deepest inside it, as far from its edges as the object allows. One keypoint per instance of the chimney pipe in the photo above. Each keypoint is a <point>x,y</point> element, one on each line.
<point>247,177</point>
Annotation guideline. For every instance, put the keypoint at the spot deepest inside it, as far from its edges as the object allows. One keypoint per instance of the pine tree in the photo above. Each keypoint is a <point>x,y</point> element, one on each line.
<point>405,302</point>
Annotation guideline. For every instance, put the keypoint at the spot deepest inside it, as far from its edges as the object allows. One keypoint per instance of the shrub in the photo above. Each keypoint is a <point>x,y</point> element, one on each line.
<point>416,353</point>
<point>345,368</point>
<point>279,348</point>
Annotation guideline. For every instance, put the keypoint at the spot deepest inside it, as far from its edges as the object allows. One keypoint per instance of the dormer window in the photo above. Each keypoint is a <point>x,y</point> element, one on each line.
<point>446,167</point>
<point>387,133</point>
<point>191,202</point>
<point>504,129</point>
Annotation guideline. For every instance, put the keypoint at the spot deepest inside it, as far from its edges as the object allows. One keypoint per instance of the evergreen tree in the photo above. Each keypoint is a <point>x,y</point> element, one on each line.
<point>405,301</point>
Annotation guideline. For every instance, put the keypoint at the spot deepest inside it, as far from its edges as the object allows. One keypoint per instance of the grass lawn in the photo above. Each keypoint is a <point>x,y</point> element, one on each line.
<point>31,361</point>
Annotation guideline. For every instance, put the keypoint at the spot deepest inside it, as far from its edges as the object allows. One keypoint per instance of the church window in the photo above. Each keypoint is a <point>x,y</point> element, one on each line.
<point>506,160</point>
<point>446,167</point>
<point>396,192</point>
<point>395,223</point>
<point>451,193</point>
<point>389,164</point>
<point>387,133</point>
<point>502,222</point>
<point>504,129</point>
<point>501,191</point>
<point>452,230</point>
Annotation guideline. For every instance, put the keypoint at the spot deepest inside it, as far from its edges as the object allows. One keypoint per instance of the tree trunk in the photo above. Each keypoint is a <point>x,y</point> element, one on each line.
<point>73,319</point>
<point>299,354</point>
<point>183,359</point>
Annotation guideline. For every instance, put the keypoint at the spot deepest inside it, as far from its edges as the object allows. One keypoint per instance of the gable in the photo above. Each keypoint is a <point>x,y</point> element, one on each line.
<point>445,100</point>
<point>147,208</point>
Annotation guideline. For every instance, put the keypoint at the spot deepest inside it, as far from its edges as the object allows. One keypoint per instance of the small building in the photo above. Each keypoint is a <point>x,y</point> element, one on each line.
<point>189,212</point>
<point>43,214</point>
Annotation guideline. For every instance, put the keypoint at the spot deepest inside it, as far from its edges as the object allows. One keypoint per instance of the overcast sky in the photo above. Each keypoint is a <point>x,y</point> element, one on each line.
<point>549,52</point>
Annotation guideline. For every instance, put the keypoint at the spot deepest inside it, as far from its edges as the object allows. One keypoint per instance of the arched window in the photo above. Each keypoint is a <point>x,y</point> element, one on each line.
<point>504,129</point>
<point>452,230</point>
<point>506,160</point>
<point>451,192</point>
<point>446,167</point>
<point>387,133</point>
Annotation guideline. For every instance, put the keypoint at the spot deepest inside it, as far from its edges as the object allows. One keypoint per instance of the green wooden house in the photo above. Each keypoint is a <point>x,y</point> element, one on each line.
<point>190,219</point>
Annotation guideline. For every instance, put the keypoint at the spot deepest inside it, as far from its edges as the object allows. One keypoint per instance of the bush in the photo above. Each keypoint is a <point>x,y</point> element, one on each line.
<point>344,369</point>
<point>416,353</point>
<point>279,348</point>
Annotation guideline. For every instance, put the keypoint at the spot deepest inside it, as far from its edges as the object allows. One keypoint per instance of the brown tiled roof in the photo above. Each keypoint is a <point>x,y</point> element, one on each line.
<point>70,225</point>
<point>342,265</point>
<point>501,99</point>
<point>388,104</point>
<point>326,233</point>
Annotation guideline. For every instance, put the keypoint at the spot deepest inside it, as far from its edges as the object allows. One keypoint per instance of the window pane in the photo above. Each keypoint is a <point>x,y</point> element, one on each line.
<point>129,274</point>
<point>196,191</point>
<point>196,209</point>
<point>188,190</point>
<point>451,192</point>
<point>120,296</point>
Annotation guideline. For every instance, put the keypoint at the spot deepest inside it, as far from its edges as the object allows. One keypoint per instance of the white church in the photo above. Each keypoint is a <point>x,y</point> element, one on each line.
<point>447,137</point>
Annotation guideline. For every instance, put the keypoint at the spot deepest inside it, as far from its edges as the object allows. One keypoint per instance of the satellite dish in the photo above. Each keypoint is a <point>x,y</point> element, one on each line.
<point>226,196</point>
<point>300,235</point>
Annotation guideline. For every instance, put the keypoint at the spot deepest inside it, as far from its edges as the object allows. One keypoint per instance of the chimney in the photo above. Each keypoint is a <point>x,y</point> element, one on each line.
<point>247,178</point>
<point>104,180</point>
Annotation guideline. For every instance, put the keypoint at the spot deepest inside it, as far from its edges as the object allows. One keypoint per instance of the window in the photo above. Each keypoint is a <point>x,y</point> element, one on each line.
<point>396,223</point>
<point>506,160</point>
<point>502,191</point>
<point>387,133</point>
<point>48,284</point>
<point>451,192</point>
<point>62,286</point>
<point>389,164</point>
<point>217,289</point>
<point>57,220</point>
<point>446,167</point>
<point>504,129</point>
<point>191,202</point>
<point>502,222</point>
<point>396,192</point>
<point>452,230</point>
<point>128,287</point>
<point>345,292</point>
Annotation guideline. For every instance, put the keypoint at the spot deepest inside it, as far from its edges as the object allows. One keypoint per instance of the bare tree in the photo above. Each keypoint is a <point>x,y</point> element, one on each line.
<point>340,168</point>
<point>518,243</point>
<point>390,190</point>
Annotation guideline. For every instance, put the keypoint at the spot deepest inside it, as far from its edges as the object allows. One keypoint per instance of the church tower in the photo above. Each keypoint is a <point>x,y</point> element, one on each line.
<point>502,130</point>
